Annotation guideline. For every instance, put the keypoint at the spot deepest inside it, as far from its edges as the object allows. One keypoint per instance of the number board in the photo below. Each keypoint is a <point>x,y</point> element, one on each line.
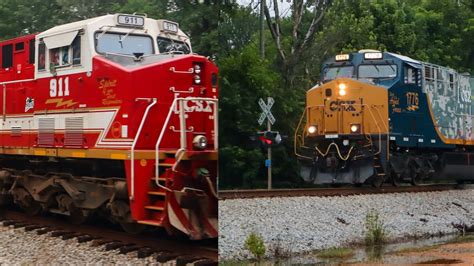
<point>170,26</point>
<point>131,21</point>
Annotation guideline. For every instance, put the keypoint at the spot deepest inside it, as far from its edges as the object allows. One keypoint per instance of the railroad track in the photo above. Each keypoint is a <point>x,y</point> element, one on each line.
<point>327,192</point>
<point>159,245</point>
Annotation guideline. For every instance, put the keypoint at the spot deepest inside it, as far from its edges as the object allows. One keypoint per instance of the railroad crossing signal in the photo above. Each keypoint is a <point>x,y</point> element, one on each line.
<point>268,138</point>
<point>266,113</point>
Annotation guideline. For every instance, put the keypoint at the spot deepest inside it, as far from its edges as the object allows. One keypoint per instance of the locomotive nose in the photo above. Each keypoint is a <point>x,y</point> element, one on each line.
<point>347,107</point>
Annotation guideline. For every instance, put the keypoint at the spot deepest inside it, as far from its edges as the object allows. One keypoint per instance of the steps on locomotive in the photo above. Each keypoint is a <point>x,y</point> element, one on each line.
<point>157,195</point>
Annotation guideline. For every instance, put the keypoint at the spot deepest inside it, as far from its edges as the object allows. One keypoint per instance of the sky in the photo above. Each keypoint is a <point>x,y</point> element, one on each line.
<point>284,5</point>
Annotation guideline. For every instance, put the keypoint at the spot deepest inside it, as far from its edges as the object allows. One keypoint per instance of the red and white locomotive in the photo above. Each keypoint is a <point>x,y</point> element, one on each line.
<point>114,116</point>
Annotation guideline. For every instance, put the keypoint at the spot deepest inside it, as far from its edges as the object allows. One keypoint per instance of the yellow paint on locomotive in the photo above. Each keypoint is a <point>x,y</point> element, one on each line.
<point>336,106</point>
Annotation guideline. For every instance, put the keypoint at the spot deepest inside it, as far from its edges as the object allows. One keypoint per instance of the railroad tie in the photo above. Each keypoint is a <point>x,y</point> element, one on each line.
<point>165,256</point>
<point>184,260</point>
<point>128,248</point>
<point>144,252</point>
<point>205,262</point>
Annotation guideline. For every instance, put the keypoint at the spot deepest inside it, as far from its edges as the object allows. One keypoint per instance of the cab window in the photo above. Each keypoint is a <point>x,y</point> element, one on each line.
<point>171,46</point>
<point>76,51</point>
<point>331,73</point>
<point>412,75</point>
<point>7,56</point>
<point>123,43</point>
<point>65,56</point>
<point>377,71</point>
<point>41,56</point>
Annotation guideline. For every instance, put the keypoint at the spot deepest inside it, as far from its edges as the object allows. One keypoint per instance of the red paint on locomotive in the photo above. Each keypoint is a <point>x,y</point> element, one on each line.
<point>114,107</point>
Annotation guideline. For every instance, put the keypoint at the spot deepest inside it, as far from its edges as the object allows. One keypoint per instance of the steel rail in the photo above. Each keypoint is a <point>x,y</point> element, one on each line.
<point>328,192</point>
<point>156,242</point>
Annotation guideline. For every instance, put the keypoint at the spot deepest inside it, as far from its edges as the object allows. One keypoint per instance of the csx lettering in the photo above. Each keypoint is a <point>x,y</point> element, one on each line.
<point>196,106</point>
<point>345,105</point>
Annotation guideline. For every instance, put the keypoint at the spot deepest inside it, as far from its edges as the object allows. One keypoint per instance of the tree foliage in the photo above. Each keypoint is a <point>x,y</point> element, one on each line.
<point>438,31</point>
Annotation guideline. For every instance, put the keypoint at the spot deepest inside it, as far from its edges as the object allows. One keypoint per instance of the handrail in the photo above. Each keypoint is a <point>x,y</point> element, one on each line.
<point>183,132</point>
<point>147,110</point>
<point>372,116</point>
<point>378,127</point>
<point>295,137</point>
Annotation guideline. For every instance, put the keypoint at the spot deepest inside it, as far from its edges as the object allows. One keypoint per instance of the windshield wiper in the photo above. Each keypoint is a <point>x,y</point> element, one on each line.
<point>391,67</point>
<point>125,37</point>
<point>104,32</point>
<point>378,70</point>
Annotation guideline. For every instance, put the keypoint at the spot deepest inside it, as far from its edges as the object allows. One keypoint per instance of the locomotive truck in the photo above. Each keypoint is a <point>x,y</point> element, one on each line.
<point>111,116</point>
<point>379,116</point>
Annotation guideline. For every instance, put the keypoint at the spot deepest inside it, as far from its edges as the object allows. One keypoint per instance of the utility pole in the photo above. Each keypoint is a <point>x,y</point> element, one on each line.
<point>262,27</point>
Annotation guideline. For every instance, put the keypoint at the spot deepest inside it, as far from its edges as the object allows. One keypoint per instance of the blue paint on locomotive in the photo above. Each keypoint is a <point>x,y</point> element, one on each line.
<point>411,123</point>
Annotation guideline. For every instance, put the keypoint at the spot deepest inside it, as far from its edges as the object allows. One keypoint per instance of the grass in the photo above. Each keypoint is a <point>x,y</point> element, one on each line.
<point>255,244</point>
<point>336,253</point>
<point>375,230</point>
<point>462,239</point>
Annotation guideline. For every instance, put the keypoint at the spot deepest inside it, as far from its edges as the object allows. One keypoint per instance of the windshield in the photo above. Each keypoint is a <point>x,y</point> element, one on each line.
<point>121,43</point>
<point>168,45</point>
<point>377,71</point>
<point>338,72</point>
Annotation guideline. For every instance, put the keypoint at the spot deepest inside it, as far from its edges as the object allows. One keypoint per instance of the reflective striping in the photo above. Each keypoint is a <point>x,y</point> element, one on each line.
<point>392,138</point>
<point>433,141</point>
<point>79,154</point>
<point>106,153</point>
<point>40,152</point>
<point>118,156</point>
<point>420,140</point>
<point>405,139</point>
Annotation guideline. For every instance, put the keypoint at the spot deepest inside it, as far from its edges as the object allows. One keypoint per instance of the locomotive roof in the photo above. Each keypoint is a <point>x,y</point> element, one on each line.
<point>71,26</point>
<point>416,63</point>
<point>404,58</point>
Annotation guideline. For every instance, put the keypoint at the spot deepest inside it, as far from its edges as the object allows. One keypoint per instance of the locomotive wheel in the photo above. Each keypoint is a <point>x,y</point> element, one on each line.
<point>76,215</point>
<point>26,202</point>
<point>394,178</point>
<point>132,228</point>
<point>415,176</point>
<point>378,181</point>
<point>120,213</point>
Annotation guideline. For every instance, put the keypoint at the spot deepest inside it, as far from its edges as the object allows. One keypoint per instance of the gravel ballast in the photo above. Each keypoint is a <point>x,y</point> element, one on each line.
<point>27,248</point>
<point>301,224</point>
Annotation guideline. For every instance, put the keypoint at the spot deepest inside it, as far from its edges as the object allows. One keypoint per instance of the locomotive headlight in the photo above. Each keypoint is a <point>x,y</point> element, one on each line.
<point>345,142</point>
<point>312,129</point>
<point>197,79</point>
<point>355,128</point>
<point>197,69</point>
<point>200,142</point>
<point>342,89</point>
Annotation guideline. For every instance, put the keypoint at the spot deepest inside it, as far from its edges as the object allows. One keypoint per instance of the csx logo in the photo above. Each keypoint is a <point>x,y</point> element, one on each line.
<point>344,105</point>
<point>195,106</point>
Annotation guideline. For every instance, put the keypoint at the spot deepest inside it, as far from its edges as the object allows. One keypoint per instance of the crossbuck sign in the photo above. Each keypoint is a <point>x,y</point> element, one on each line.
<point>266,113</point>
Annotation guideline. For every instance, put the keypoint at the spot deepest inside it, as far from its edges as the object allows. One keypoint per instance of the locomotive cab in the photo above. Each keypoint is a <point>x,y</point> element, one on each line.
<point>382,116</point>
<point>123,99</point>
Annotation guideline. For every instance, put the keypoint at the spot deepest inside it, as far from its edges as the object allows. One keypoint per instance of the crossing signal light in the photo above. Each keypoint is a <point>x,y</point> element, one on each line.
<point>269,138</point>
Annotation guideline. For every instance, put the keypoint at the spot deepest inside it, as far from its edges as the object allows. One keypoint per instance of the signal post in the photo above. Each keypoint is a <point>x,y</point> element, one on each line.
<point>268,137</point>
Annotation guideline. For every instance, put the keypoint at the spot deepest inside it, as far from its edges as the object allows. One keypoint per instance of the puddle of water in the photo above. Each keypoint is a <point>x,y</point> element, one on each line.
<point>377,254</point>
<point>441,261</point>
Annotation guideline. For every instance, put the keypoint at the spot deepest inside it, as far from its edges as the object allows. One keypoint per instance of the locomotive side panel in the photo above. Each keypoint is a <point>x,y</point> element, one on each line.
<point>449,99</point>
<point>96,107</point>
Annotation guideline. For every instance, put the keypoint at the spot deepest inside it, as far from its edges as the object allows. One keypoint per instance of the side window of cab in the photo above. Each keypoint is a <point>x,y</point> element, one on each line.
<point>59,57</point>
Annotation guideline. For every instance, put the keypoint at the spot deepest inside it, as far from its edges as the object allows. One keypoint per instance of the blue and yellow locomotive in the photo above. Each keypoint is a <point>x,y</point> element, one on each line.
<point>379,116</point>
